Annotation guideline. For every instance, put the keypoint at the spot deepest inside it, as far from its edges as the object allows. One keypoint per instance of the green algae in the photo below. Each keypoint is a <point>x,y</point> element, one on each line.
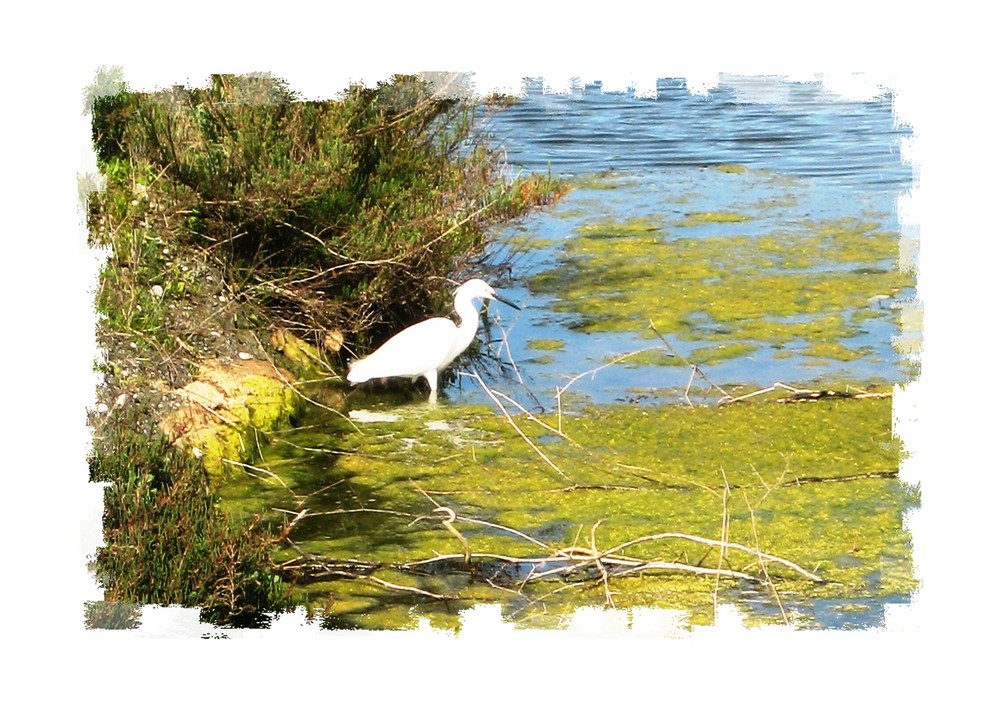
<point>626,229</point>
<point>811,482</point>
<point>816,282</point>
<point>720,353</point>
<point>651,357</point>
<point>546,344</point>
<point>702,217</point>
<point>605,181</point>
<point>834,351</point>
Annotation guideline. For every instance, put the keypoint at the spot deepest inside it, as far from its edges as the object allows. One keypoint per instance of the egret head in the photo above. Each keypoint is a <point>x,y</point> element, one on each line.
<point>477,288</point>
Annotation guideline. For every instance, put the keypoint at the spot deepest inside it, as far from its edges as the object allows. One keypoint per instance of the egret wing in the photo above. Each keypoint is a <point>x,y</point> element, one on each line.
<point>410,353</point>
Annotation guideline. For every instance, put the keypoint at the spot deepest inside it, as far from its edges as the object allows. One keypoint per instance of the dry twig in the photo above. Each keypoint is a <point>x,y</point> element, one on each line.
<point>760,561</point>
<point>491,395</point>
<point>695,369</point>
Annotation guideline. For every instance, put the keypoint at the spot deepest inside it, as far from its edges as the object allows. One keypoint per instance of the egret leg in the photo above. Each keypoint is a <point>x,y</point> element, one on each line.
<point>432,379</point>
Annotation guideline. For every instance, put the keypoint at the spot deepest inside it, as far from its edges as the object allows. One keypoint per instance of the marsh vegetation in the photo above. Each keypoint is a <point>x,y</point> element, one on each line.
<point>693,407</point>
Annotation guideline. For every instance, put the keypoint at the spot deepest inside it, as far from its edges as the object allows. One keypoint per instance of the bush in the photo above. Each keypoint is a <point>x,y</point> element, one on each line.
<point>166,540</point>
<point>347,214</point>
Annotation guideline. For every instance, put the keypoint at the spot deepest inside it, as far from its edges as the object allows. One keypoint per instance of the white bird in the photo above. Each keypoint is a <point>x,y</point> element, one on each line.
<point>424,349</point>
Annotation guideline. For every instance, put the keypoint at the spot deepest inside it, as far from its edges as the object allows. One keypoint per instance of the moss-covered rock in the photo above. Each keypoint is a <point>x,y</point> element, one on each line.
<point>225,405</point>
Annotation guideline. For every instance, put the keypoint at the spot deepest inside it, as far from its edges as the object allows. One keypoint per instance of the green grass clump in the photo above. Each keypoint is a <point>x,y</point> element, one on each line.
<point>167,542</point>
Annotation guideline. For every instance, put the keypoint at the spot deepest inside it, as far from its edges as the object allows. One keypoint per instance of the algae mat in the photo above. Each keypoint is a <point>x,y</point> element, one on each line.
<point>439,508</point>
<point>760,276</point>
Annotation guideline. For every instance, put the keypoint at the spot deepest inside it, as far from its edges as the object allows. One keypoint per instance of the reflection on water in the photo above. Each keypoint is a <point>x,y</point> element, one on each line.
<point>696,166</point>
<point>725,192</point>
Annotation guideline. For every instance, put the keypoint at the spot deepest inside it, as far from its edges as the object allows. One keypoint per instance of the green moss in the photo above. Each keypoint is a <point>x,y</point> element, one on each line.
<point>547,345</point>
<point>254,402</point>
<point>218,444</point>
<point>270,403</point>
<point>803,475</point>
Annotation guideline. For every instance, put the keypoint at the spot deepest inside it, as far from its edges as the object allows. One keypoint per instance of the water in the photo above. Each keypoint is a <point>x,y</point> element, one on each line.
<point>800,175</point>
<point>805,157</point>
<point>810,134</point>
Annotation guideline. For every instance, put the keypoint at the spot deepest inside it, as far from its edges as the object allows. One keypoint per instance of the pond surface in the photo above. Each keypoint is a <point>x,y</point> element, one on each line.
<point>723,171</point>
<point>758,240</point>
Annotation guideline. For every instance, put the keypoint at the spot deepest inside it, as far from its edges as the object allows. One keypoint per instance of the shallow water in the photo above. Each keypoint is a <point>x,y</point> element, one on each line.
<point>811,483</point>
<point>674,163</point>
<point>762,240</point>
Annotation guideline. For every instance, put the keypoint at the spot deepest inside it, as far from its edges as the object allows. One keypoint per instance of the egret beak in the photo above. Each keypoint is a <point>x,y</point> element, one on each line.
<point>506,302</point>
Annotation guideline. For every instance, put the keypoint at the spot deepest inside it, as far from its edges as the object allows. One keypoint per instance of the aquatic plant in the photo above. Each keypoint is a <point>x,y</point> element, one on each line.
<point>784,496</point>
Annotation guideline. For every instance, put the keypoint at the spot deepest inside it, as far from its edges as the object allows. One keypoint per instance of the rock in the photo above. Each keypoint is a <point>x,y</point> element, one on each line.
<point>297,350</point>
<point>333,341</point>
<point>223,407</point>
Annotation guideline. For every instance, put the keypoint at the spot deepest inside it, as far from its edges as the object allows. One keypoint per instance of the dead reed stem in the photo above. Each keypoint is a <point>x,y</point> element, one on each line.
<point>760,561</point>
<point>489,393</point>
<point>695,369</point>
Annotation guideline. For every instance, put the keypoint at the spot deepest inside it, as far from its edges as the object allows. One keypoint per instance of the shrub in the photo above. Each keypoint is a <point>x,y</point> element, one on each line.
<point>345,214</point>
<point>166,540</point>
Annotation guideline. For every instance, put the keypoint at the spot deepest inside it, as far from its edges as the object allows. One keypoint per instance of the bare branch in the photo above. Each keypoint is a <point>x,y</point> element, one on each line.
<point>491,395</point>
<point>695,369</point>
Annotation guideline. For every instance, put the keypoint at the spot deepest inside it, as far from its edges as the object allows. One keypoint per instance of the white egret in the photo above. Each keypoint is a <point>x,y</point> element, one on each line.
<point>424,349</point>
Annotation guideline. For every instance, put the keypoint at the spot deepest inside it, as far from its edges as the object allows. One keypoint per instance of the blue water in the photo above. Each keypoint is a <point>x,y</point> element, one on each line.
<point>835,159</point>
<point>811,134</point>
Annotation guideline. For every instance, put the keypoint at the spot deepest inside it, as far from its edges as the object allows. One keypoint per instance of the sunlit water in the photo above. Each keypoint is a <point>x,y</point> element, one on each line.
<point>836,159</point>
<point>652,157</point>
